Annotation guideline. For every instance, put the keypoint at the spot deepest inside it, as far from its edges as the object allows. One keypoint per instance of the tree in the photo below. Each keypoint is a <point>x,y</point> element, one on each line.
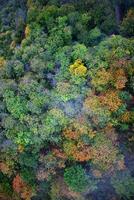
<point>104,154</point>
<point>75,178</point>
<point>123,183</point>
<point>120,7</point>
<point>78,68</point>
<point>127,28</point>
<point>22,188</point>
<point>15,105</point>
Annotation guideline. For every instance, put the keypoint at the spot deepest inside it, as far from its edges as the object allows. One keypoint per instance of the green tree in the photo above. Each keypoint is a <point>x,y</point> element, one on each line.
<point>75,178</point>
<point>123,183</point>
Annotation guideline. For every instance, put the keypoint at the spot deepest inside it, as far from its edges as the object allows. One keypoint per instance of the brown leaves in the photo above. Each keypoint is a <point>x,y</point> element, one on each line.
<point>111,100</point>
<point>70,134</point>
<point>74,147</point>
<point>83,154</point>
<point>51,163</point>
<point>22,188</point>
<point>4,168</point>
<point>58,153</point>
<point>119,78</point>
<point>78,151</point>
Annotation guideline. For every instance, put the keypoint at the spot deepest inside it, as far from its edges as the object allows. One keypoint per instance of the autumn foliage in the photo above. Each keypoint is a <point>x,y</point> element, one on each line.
<point>66,99</point>
<point>111,100</point>
<point>78,68</point>
<point>22,188</point>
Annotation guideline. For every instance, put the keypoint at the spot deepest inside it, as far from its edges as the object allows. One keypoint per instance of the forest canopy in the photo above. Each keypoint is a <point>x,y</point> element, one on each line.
<point>66,100</point>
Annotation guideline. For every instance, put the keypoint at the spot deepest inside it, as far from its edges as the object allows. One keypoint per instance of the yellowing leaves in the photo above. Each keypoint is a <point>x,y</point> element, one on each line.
<point>2,62</point>
<point>74,147</point>
<point>78,151</point>
<point>27,31</point>
<point>92,104</point>
<point>126,117</point>
<point>12,45</point>
<point>78,129</point>
<point>115,77</point>
<point>68,133</point>
<point>78,68</point>
<point>101,78</point>
<point>91,133</point>
<point>20,148</point>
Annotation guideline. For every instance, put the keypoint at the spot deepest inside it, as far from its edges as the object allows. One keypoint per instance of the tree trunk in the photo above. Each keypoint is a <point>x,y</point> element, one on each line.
<point>118,13</point>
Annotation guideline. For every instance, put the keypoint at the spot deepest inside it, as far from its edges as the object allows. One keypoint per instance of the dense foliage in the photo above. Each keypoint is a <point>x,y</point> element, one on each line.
<point>66,100</point>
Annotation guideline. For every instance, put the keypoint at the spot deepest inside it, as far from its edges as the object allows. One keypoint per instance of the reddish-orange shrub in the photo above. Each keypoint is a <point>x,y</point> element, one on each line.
<point>22,188</point>
<point>18,184</point>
